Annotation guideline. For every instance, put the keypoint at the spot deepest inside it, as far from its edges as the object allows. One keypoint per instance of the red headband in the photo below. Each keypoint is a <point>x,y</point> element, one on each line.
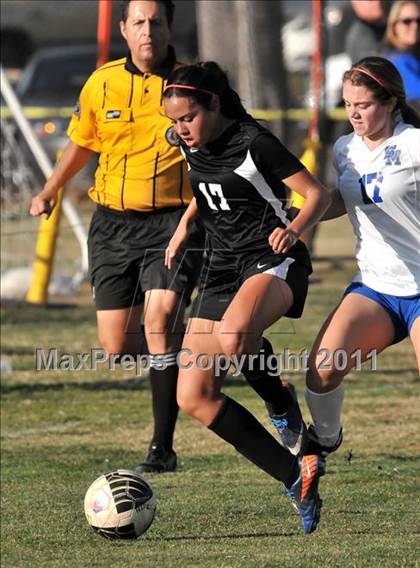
<point>374,77</point>
<point>190,87</point>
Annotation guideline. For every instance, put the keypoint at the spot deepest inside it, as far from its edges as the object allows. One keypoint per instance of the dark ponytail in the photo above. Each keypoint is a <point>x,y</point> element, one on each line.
<point>230,102</point>
<point>205,80</point>
<point>409,115</point>
<point>381,77</point>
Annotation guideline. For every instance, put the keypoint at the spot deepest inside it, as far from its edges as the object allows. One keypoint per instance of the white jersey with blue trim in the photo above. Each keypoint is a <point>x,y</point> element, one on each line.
<point>380,189</point>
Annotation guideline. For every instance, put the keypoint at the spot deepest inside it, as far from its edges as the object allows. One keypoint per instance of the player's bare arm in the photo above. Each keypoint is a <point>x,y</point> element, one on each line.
<point>317,201</point>
<point>74,158</point>
<point>337,207</point>
<point>181,233</point>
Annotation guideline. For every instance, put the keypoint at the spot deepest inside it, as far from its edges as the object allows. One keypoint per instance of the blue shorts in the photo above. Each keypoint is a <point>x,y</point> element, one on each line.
<point>403,310</point>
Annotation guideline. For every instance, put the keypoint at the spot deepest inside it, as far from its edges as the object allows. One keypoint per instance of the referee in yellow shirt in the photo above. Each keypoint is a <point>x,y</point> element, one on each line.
<point>141,190</point>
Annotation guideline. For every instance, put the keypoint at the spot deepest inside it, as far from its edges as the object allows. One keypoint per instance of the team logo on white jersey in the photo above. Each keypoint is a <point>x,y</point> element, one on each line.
<point>392,156</point>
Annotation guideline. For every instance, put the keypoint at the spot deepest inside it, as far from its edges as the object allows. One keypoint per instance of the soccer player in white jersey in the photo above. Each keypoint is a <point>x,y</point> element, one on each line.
<point>256,269</point>
<point>378,173</point>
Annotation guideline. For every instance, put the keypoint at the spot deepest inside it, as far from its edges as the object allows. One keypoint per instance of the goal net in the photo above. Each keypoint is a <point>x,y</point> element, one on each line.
<point>21,178</point>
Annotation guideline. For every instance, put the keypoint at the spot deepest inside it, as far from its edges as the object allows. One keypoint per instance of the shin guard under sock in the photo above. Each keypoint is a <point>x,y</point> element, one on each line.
<point>237,426</point>
<point>268,386</point>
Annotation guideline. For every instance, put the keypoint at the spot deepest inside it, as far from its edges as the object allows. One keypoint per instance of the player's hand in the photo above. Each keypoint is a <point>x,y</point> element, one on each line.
<point>281,240</point>
<point>43,204</point>
<point>178,239</point>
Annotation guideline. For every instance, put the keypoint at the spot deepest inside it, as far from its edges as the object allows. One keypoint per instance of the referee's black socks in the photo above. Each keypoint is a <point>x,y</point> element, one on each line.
<point>266,385</point>
<point>237,426</point>
<point>163,375</point>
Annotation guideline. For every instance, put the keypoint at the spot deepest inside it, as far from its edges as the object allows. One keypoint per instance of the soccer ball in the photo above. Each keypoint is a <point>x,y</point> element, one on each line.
<point>120,504</point>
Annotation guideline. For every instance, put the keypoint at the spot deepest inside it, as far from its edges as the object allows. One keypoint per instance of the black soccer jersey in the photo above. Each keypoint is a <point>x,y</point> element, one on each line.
<point>237,182</point>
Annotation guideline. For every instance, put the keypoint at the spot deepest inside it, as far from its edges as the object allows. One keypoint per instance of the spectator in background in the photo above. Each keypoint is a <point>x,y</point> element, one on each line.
<point>366,33</point>
<point>402,45</point>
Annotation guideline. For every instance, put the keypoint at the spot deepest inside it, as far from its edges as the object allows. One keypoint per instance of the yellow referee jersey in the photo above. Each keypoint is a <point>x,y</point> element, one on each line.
<point>120,116</point>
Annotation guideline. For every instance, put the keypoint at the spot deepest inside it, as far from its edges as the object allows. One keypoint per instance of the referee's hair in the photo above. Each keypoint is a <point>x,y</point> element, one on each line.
<point>209,79</point>
<point>168,4</point>
<point>381,77</point>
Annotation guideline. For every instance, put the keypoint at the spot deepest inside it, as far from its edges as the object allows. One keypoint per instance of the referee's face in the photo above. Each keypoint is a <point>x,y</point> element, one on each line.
<point>147,33</point>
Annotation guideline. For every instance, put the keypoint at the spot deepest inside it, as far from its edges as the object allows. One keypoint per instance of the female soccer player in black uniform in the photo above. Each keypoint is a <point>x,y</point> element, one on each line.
<point>256,270</point>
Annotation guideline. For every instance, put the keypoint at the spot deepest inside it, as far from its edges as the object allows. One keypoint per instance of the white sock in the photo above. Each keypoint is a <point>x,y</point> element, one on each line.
<point>326,412</point>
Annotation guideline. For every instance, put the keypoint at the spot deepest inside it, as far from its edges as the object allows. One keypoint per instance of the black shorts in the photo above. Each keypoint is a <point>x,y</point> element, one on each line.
<point>220,280</point>
<point>127,252</point>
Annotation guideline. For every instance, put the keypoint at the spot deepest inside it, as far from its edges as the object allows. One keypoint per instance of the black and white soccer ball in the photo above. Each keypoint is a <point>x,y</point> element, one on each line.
<point>120,505</point>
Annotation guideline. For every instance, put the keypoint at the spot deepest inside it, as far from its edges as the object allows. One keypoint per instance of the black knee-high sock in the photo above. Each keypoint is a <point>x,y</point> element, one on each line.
<point>267,386</point>
<point>236,425</point>
<point>163,380</point>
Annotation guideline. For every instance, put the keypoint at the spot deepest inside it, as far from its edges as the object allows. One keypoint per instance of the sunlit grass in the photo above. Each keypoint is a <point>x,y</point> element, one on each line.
<point>60,430</point>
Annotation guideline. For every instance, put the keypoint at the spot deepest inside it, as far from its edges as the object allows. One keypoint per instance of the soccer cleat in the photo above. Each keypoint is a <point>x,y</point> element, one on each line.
<point>158,460</point>
<point>304,492</point>
<point>290,425</point>
<point>313,446</point>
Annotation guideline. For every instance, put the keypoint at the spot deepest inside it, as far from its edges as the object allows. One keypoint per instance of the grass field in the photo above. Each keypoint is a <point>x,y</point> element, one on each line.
<point>60,430</point>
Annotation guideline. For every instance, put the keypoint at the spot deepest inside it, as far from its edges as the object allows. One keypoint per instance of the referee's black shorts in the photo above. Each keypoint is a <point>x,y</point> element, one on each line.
<point>220,280</point>
<point>127,252</point>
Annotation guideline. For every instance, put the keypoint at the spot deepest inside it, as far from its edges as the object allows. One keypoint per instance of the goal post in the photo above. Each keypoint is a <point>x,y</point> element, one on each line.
<point>44,254</point>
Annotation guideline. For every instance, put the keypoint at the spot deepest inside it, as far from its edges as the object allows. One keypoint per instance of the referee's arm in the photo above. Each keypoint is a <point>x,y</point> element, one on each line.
<point>73,159</point>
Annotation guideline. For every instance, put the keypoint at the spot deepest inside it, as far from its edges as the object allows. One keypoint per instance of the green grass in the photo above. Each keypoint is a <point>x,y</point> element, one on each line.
<point>60,430</point>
